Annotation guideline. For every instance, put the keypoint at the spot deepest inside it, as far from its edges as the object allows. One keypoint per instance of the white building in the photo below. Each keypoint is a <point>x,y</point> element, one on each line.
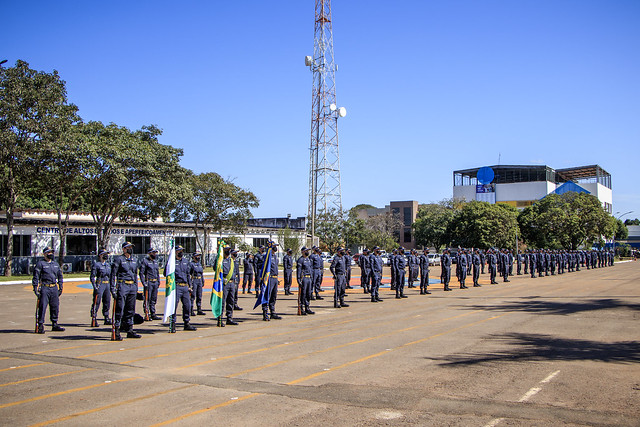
<point>521,185</point>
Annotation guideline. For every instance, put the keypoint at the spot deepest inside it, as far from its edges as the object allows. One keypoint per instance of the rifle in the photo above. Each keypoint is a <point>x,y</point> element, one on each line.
<point>145,303</point>
<point>37,310</point>
<point>94,314</point>
<point>299,299</point>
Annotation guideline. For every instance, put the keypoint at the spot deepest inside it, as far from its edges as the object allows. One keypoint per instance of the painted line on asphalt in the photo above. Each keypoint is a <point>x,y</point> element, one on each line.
<point>60,393</point>
<point>45,377</point>
<point>23,366</point>
<point>113,405</point>
<point>68,348</point>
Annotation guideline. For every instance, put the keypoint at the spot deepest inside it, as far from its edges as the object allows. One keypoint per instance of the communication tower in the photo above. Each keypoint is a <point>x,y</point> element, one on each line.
<point>325,193</point>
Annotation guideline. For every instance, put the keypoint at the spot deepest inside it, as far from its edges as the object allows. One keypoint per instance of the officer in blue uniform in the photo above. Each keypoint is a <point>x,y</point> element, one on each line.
<point>412,263</point>
<point>401,263</point>
<point>506,265</point>
<point>236,279</point>
<point>228,285</point>
<point>271,288</point>
<point>183,288</point>
<point>519,260</point>
<point>47,285</point>
<point>376,264</point>
<point>318,267</point>
<point>469,255</point>
<point>445,266</point>
<point>483,259</point>
<point>475,260</point>
<point>248,272</point>
<point>347,261</point>
<point>196,271</point>
<point>392,262</point>
<point>124,288</point>
<point>287,266</point>
<point>258,262</point>
<point>339,271</point>
<point>423,261</point>
<point>101,281</point>
<point>365,270</point>
<point>304,271</point>
<point>150,278</point>
<point>462,264</point>
<point>492,261</point>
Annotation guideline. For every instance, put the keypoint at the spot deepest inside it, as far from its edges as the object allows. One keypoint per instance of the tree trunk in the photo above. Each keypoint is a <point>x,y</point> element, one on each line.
<point>11,205</point>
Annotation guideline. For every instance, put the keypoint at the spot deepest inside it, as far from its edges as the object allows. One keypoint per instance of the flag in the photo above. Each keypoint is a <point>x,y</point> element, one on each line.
<point>170,289</point>
<point>216,290</point>
<point>265,273</point>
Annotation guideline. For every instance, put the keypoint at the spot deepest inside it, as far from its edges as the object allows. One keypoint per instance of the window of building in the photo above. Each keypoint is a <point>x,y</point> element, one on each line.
<point>141,244</point>
<point>21,245</point>
<point>259,241</point>
<point>407,235</point>
<point>188,243</point>
<point>408,219</point>
<point>81,245</point>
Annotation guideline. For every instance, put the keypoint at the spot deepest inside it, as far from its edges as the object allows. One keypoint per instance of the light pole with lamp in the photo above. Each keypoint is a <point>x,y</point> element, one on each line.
<point>614,233</point>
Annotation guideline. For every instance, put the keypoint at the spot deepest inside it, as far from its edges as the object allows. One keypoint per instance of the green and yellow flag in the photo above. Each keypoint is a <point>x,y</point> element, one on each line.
<point>216,291</point>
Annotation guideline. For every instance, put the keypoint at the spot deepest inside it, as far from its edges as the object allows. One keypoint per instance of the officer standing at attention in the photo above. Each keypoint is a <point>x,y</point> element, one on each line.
<point>258,262</point>
<point>318,266</point>
<point>271,288</point>
<point>183,287</point>
<point>532,263</point>
<point>392,263</point>
<point>469,255</point>
<point>339,271</point>
<point>124,288</point>
<point>476,268</point>
<point>47,285</point>
<point>304,272</point>
<point>247,277</point>
<point>413,267</point>
<point>423,261</point>
<point>526,262</point>
<point>228,285</point>
<point>445,266</point>
<point>401,263</point>
<point>483,259</point>
<point>492,261</point>
<point>376,273</point>
<point>150,278</point>
<point>101,280</point>
<point>519,259</point>
<point>510,261</point>
<point>365,270</point>
<point>197,282</point>
<point>505,263</point>
<point>236,279</point>
<point>287,264</point>
<point>347,261</point>
<point>462,263</point>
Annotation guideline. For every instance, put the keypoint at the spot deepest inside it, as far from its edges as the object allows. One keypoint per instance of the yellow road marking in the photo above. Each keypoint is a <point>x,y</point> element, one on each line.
<point>23,366</point>
<point>113,405</point>
<point>60,393</point>
<point>67,348</point>
<point>42,378</point>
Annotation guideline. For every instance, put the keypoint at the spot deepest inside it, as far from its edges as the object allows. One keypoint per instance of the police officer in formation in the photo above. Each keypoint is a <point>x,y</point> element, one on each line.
<point>492,261</point>
<point>183,288</point>
<point>376,264</point>
<point>445,265</point>
<point>400,265</point>
<point>236,279</point>
<point>287,264</point>
<point>124,288</point>
<point>348,259</point>
<point>462,270</point>
<point>475,260</point>
<point>47,285</point>
<point>248,272</point>
<point>196,273</point>
<point>365,270</point>
<point>304,272</point>
<point>258,262</point>
<point>228,286</point>
<point>100,278</point>
<point>318,267</point>
<point>271,289</point>
<point>423,262</point>
<point>414,267</point>
<point>339,270</point>
<point>150,278</point>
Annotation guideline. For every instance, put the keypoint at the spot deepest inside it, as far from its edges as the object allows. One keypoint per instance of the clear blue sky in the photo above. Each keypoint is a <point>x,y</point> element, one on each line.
<point>430,86</point>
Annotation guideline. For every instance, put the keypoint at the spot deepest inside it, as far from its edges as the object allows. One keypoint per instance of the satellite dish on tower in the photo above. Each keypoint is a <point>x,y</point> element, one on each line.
<point>342,111</point>
<point>485,175</point>
<point>333,107</point>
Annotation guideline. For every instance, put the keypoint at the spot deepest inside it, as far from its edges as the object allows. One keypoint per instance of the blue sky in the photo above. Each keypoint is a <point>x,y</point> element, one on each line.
<point>430,86</point>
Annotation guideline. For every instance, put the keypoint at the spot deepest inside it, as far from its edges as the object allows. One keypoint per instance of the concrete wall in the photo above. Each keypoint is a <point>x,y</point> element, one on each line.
<point>523,191</point>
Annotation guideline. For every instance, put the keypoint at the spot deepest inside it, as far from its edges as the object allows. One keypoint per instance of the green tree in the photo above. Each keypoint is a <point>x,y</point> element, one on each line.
<point>622,232</point>
<point>34,113</point>
<point>632,221</point>
<point>330,229</point>
<point>213,204</point>
<point>132,176</point>
<point>483,225</point>
<point>431,227</point>
<point>288,240</point>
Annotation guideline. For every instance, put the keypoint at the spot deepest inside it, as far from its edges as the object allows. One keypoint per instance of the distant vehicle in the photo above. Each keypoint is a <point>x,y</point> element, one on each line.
<point>434,259</point>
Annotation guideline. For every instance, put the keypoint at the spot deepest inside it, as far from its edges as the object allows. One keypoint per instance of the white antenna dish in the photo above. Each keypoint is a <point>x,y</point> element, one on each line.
<point>333,107</point>
<point>342,111</point>
<point>308,61</point>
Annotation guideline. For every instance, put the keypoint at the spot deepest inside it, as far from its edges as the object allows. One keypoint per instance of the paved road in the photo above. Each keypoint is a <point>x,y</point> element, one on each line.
<point>558,350</point>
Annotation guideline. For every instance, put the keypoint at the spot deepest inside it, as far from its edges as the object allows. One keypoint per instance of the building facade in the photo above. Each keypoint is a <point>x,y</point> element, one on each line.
<point>406,212</point>
<point>522,185</point>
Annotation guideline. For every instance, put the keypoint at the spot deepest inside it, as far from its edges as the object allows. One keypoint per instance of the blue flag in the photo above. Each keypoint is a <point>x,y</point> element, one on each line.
<point>265,273</point>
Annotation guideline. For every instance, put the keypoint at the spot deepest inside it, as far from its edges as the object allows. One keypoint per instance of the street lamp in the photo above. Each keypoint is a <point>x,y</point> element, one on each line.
<point>614,233</point>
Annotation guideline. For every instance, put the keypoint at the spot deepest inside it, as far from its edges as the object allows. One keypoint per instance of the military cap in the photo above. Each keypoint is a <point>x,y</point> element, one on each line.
<point>196,253</point>
<point>304,248</point>
<point>179,248</point>
<point>47,250</point>
<point>152,250</point>
<point>126,244</point>
<point>103,252</point>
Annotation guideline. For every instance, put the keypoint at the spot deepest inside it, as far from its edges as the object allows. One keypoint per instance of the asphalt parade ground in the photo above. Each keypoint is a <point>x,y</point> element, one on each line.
<point>558,350</point>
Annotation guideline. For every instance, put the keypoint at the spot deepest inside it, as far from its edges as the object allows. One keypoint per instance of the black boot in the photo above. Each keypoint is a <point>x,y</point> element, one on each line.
<point>132,334</point>
<point>118,337</point>
<point>57,328</point>
<point>107,321</point>
<point>308,311</point>
<point>232,322</point>
<point>40,328</point>
<point>275,316</point>
<point>188,327</point>
<point>200,312</point>
<point>343,304</point>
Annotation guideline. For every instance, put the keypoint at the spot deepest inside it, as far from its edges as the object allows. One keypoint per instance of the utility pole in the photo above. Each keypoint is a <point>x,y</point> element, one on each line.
<point>325,193</point>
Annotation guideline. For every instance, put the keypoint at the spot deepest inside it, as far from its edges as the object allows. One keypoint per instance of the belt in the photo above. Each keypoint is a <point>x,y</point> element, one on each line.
<point>49,285</point>
<point>196,277</point>
<point>151,281</point>
<point>339,274</point>
<point>128,282</point>
<point>181,283</point>
<point>306,275</point>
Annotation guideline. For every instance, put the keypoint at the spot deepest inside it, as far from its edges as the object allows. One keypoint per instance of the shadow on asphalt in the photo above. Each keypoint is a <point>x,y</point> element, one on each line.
<point>556,307</point>
<point>537,347</point>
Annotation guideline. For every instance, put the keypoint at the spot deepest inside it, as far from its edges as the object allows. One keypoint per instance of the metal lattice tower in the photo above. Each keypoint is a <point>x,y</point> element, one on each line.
<point>325,193</point>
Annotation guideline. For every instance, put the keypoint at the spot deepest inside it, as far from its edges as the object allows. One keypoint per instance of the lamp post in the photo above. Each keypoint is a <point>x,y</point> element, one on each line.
<point>614,233</point>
